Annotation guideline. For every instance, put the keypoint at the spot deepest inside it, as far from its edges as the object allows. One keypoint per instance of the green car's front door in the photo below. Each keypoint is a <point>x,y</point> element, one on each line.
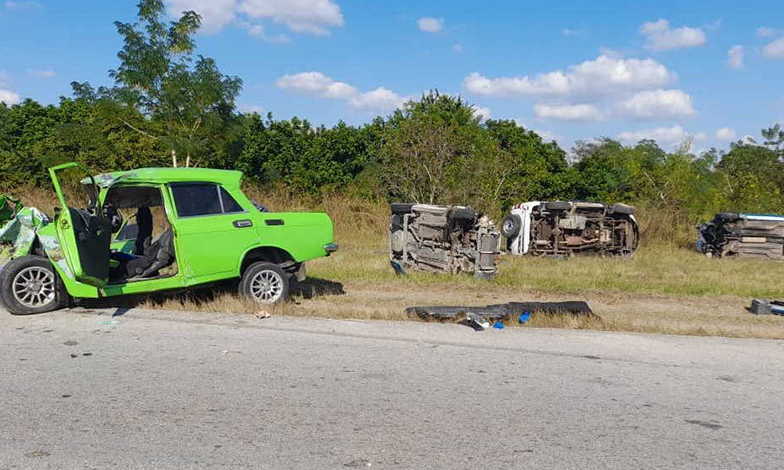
<point>83,233</point>
<point>212,231</point>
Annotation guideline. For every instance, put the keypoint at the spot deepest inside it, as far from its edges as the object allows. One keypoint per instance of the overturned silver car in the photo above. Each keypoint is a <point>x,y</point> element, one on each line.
<point>565,228</point>
<point>451,239</point>
<point>744,235</point>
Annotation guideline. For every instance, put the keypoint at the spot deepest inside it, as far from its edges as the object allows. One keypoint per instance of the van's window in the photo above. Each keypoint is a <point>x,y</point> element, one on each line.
<point>229,204</point>
<point>194,199</point>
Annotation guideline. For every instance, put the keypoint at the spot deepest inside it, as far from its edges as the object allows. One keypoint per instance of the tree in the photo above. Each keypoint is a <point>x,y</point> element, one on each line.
<point>185,102</point>
<point>435,150</point>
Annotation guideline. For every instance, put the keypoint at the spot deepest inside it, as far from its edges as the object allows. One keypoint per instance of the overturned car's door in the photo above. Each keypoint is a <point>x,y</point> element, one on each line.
<point>83,232</point>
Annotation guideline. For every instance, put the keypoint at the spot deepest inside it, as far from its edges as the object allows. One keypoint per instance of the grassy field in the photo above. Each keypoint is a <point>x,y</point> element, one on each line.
<point>662,289</point>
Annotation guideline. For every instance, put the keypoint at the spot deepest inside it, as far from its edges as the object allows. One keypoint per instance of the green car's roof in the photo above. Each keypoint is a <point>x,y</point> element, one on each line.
<point>169,175</point>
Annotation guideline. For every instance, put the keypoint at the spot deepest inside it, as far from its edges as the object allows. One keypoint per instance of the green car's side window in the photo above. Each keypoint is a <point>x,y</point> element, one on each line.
<point>200,199</point>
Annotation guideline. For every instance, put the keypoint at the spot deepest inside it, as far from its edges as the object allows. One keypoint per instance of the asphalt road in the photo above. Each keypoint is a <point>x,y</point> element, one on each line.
<point>173,390</point>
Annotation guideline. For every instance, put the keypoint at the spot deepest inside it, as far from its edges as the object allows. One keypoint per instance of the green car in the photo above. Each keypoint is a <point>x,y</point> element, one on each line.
<point>206,230</point>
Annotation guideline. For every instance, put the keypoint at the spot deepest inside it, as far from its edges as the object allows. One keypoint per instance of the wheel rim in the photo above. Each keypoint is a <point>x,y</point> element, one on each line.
<point>508,226</point>
<point>266,286</point>
<point>34,287</point>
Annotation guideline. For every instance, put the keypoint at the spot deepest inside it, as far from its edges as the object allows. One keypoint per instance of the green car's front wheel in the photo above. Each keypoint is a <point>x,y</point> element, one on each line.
<point>265,283</point>
<point>29,284</point>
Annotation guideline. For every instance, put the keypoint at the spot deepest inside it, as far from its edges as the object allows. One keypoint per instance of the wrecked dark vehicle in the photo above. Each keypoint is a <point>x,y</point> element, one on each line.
<point>566,228</point>
<point>447,239</point>
<point>743,235</point>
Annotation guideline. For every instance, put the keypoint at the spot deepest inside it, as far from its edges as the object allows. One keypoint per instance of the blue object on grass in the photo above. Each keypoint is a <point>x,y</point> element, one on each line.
<point>524,317</point>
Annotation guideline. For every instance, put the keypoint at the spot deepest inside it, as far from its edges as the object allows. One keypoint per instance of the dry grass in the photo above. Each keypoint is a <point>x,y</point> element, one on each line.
<point>663,289</point>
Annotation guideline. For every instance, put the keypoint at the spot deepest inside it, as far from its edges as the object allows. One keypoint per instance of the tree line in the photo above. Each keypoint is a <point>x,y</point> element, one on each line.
<point>169,105</point>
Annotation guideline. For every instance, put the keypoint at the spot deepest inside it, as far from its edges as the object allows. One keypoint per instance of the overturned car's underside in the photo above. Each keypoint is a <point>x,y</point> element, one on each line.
<point>562,228</point>
<point>746,235</point>
<point>450,239</point>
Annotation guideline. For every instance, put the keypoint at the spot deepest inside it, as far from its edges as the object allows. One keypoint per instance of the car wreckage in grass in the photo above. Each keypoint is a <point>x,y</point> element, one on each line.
<point>209,231</point>
<point>566,228</point>
<point>743,235</point>
<point>451,239</point>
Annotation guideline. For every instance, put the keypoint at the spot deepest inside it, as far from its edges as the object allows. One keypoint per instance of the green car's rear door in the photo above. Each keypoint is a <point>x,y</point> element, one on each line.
<point>84,234</point>
<point>212,230</point>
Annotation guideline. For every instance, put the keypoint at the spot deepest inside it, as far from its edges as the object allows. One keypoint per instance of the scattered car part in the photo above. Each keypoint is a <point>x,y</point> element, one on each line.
<point>566,228</point>
<point>767,307</point>
<point>743,235</point>
<point>451,239</point>
<point>211,232</point>
<point>500,312</point>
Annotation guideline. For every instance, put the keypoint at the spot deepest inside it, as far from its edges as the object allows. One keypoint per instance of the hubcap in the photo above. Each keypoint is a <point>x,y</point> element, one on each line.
<point>266,287</point>
<point>34,287</point>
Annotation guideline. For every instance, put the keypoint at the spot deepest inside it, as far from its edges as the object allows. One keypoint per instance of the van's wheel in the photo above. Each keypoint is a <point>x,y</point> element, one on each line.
<point>30,285</point>
<point>265,283</point>
<point>511,225</point>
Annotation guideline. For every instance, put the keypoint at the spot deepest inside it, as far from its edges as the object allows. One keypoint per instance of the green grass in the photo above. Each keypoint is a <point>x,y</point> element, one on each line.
<point>663,270</point>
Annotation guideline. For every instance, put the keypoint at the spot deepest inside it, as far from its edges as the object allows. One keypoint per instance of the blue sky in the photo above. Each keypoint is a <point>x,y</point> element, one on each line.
<point>571,70</point>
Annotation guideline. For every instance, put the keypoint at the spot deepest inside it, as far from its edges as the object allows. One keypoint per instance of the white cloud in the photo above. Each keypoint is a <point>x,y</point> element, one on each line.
<point>774,50</point>
<point>318,84</point>
<point>569,112</point>
<point>482,112</point>
<point>660,37</point>
<point>322,86</point>
<point>735,57</point>
<point>41,73</point>
<point>663,135</point>
<point>766,32</point>
<point>9,97</point>
<point>458,48</point>
<point>726,134</point>
<point>215,14</point>
<point>604,75</point>
<point>430,25</point>
<point>379,99</point>
<point>250,108</point>
<point>570,32</point>
<point>657,104</point>
<point>301,16</point>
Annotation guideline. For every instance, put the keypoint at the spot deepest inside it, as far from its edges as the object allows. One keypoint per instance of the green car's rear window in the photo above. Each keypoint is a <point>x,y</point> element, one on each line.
<point>194,199</point>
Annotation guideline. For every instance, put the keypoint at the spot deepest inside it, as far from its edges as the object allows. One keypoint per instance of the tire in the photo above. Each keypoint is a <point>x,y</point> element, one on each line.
<point>621,209</point>
<point>727,216</point>
<point>510,227</point>
<point>36,273</point>
<point>265,283</point>
<point>401,207</point>
<point>557,205</point>
<point>462,213</point>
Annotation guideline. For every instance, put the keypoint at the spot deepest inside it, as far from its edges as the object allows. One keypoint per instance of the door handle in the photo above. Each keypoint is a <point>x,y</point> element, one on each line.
<point>243,223</point>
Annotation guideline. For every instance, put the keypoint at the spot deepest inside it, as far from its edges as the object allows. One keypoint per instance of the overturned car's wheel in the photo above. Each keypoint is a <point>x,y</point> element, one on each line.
<point>557,205</point>
<point>265,283</point>
<point>728,217</point>
<point>401,207</point>
<point>621,209</point>
<point>30,285</point>
<point>510,227</point>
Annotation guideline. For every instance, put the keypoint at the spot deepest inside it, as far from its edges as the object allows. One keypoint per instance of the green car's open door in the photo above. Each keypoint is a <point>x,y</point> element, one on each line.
<point>84,233</point>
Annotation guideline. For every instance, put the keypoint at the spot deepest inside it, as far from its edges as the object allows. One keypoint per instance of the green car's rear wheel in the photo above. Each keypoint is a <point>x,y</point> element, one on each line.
<point>30,285</point>
<point>265,283</point>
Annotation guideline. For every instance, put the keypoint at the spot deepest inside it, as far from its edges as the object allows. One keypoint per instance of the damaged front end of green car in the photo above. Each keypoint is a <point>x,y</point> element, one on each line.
<point>19,228</point>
